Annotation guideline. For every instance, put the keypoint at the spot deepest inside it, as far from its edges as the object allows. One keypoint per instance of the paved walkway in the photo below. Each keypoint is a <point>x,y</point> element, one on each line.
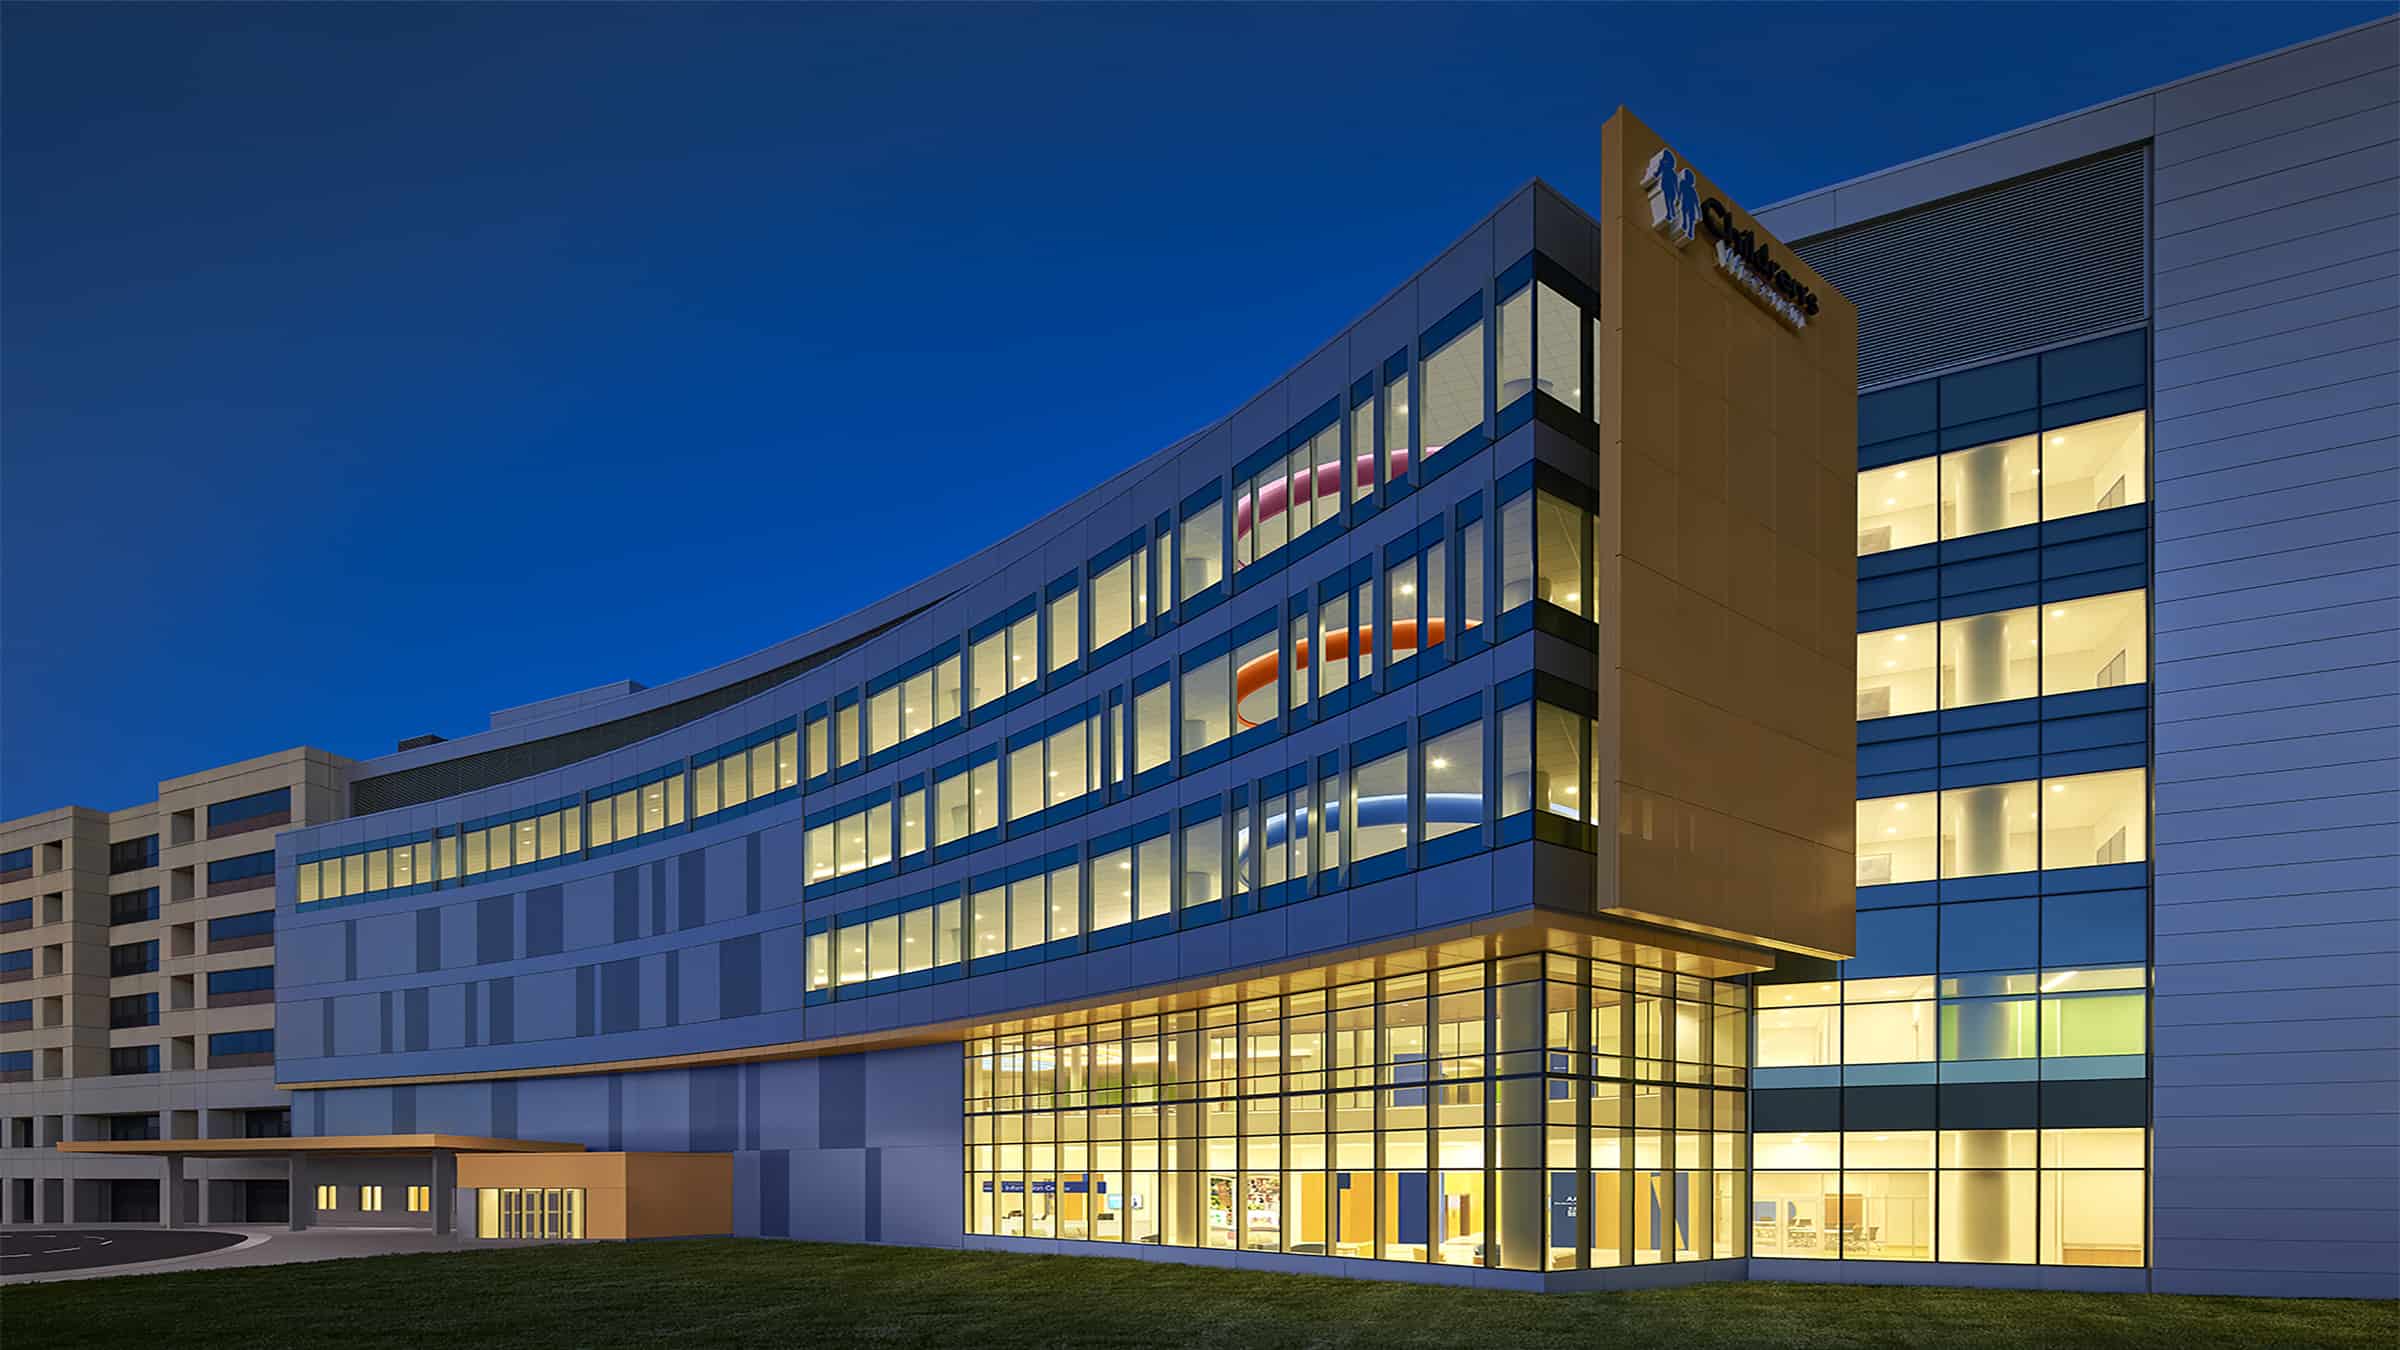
<point>238,1245</point>
<point>45,1251</point>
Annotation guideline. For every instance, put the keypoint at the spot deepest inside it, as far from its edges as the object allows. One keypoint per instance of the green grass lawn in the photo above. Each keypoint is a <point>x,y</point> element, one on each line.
<point>785,1293</point>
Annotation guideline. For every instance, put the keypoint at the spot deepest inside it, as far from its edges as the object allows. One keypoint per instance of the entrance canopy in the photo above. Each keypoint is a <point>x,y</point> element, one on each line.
<point>318,1161</point>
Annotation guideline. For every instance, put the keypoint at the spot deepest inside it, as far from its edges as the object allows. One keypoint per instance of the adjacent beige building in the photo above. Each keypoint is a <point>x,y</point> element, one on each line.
<point>137,996</point>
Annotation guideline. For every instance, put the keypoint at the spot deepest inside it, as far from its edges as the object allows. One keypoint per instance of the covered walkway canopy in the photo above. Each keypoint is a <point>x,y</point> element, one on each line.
<point>440,1152</point>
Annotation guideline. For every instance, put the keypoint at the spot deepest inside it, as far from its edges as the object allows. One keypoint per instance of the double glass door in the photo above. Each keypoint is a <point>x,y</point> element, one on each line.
<point>528,1212</point>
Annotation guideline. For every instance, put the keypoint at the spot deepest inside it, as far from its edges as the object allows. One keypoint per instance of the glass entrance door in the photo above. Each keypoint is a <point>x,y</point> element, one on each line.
<point>529,1212</point>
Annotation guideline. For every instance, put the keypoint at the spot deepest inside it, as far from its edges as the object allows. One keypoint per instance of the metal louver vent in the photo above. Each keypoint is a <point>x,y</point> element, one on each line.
<point>2033,263</point>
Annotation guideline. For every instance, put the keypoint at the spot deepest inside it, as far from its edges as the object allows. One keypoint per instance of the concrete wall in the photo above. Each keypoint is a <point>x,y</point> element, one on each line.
<point>2276,663</point>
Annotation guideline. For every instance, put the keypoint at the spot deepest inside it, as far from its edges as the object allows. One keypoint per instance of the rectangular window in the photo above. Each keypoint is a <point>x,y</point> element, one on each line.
<point>1112,890</point>
<point>1897,839</point>
<point>1024,652</point>
<point>260,923</point>
<point>1152,736</point>
<point>1453,778</point>
<point>1026,784</point>
<point>133,906</point>
<point>1207,715</point>
<point>912,822</point>
<point>420,1199</point>
<point>1362,450</point>
<point>883,720</point>
<point>1028,910</point>
<point>132,855</point>
<point>329,1197</point>
<point>1991,487</point>
<point>1896,507</point>
<point>2099,642</point>
<point>946,933</point>
<point>1323,487</point>
<point>1888,1033</point>
<point>946,695</point>
<point>1066,902</point>
<point>136,958</point>
<point>1263,508</point>
<point>1066,631</point>
<point>251,812</point>
<point>951,821</point>
<point>2095,466</point>
<point>370,1199</point>
<point>1562,554</point>
<point>1896,671</point>
<point>1512,346</point>
<point>850,947</point>
<point>1331,656</point>
<point>1454,390</point>
<point>991,921</point>
<point>1470,574</point>
<point>2095,819</point>
<point>845,743</point>
<point>1557,347</point>
<point>1203,863</point>
<point>1990,830</point>
<point>1113,612</point>
<point>1203,536</point>
<point>1400,607</point>
<point>820,755</point>
<point>1379,807</point>
<point>987,669</point>
<point>248,867</point>
<point>1397,436</point>
<point>1562,744</point>
<point>1154,874</point>
<point>1070,771</point>
<point>1797,1036</point>
<point>228,1043</point>
<point>1516,552</point>
<point>1257,683</point>
<point>1990,658</point>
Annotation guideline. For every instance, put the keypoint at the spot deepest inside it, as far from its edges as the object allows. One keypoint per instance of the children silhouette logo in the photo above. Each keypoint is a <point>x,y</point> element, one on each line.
<point>1674,198</point>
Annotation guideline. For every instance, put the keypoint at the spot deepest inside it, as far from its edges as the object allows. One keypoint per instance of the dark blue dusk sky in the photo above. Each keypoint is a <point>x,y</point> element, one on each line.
<point>371,367</point>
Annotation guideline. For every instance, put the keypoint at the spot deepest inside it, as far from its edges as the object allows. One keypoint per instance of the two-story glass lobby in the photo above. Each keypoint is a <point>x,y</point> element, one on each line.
<point>1390,831</point>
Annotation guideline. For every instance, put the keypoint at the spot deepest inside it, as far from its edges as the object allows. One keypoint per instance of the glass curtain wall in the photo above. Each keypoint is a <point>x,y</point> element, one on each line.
<point>1539,1112</point>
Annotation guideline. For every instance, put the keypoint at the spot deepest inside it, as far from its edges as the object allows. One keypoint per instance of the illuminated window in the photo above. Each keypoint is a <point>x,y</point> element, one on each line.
<point>1991,487</point>
<point>1066,631</point>
<point>2094,466</point>
<point>1453,775</point>
<point>1397,436</point>
<point>1512,345</point>
<point>1896,507</point>
<point>1992,829</point>
<point>2095,819</point>
<point>1897,839</point>
<point>370,1199</point>
<point>1990,658</point>
<point>420,1199</point>
<point>1454,389</point>
<point>1558,348</point>
<point>329,1197</point>
<point>2094,1012</point>
<point>1896,671</point>
<point>2098,642</point>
